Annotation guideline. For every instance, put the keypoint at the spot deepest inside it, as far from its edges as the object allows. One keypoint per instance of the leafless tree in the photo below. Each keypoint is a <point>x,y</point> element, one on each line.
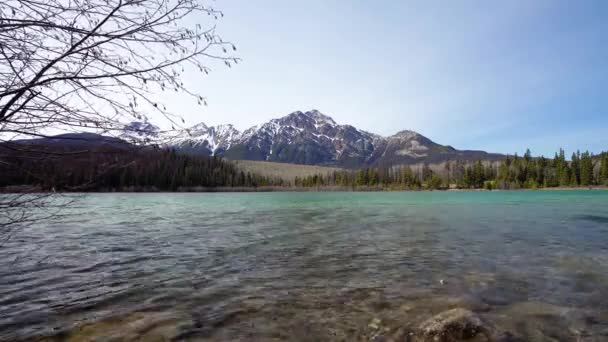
<point>96,64</point>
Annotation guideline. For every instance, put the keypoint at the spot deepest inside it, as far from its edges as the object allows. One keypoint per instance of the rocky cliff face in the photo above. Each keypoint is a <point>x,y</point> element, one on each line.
<point>305,138</point>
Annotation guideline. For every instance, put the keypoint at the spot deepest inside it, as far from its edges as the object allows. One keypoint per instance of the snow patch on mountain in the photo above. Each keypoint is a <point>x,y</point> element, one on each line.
<point>213,138</point>
<point>300,137</point>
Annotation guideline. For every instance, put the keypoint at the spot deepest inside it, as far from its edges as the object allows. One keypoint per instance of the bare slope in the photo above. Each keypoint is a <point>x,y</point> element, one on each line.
<point>282,170</point>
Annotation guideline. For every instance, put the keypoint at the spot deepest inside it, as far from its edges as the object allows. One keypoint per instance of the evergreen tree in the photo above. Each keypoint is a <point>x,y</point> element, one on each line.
<point>586,169</point>
<point>373,177</point>
<point>426,172</point>
<point>603,174</point>
<point>433,182</point>
<point>448,172</point>
<point>575,170</point>
<point>361,178</point>
<point>503,173</point>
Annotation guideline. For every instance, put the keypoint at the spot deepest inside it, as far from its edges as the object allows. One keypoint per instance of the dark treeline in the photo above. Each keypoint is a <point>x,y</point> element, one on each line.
<point>147,169</point>
<point>122,170</point>
<point>527,172</point>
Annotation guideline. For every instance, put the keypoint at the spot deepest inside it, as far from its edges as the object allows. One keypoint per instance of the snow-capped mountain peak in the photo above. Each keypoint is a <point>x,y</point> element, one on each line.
<point>210,140</point>
<point>140,132</point>
<point>320,118</point>
<point>198,129</point>
<point>309,137</point>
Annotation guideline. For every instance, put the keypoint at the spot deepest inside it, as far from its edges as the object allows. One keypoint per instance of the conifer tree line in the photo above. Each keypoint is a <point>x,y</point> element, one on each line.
<point>166,170</point>
<point>514,172</point>
<point>120,170</point>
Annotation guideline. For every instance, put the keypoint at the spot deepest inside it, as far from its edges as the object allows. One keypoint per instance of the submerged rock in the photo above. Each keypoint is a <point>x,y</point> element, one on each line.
<point>452,325</point>
<point>136,326</point>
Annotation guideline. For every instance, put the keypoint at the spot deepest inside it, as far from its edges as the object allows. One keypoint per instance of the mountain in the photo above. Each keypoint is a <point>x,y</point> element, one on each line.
<point>81,140</point>
<point>310,138</point>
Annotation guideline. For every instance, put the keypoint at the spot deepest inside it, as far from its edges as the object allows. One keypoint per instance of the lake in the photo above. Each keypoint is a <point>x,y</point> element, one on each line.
<point>311,266</point>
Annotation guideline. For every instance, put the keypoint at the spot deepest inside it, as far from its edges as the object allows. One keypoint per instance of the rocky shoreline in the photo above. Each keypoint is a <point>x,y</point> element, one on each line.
<point>468,322</point>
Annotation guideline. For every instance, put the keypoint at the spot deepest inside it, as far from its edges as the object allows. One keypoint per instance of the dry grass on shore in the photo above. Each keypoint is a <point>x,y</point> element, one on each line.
<point>284,171</point>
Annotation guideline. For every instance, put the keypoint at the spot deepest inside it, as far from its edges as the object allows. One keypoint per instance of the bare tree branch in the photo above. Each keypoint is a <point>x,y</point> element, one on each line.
<point>95,65</point>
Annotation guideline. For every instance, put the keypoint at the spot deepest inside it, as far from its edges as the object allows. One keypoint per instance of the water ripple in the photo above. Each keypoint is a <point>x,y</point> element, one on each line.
<point>264,266</point>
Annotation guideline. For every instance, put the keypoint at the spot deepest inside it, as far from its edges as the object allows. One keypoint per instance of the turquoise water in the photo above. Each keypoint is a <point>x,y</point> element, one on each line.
<point>309,266</point>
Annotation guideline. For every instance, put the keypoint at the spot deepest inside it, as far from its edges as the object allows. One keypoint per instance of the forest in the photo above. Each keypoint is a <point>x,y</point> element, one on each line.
<point>114,169</point>
<point>153,169</point>
<point>514,172</point>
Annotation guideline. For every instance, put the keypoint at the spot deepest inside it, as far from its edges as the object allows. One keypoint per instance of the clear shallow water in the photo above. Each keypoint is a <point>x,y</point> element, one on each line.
<point>309,266</point>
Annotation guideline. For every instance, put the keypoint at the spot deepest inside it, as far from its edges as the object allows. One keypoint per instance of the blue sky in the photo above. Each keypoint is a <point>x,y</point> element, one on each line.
<point>493,75</point>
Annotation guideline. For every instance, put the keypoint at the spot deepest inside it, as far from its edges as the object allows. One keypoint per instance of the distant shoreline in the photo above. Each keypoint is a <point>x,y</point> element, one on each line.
<point>31,189</point>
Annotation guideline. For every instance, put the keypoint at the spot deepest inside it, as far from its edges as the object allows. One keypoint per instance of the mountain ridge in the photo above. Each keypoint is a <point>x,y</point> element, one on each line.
<point>310,138</point>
